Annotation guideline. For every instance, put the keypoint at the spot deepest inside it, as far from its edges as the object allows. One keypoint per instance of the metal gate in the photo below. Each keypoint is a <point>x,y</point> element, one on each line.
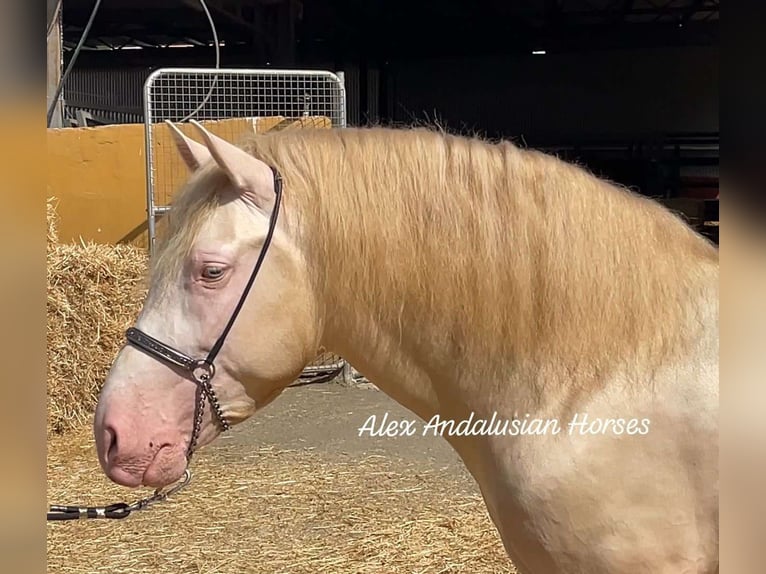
<point>181,94</point>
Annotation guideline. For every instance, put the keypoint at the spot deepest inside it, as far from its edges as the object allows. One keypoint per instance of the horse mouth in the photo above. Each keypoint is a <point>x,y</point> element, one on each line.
<point>125,477</point>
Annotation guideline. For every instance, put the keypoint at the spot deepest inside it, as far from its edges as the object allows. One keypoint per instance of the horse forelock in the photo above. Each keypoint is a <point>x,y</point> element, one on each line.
<point>499,250</point>
<point>191,207</point>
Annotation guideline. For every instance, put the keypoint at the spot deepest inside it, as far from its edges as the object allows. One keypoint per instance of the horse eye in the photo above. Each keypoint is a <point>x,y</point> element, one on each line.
<point>212,272</point>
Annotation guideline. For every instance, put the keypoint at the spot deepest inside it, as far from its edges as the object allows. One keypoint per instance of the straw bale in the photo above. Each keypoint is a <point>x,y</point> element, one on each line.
<point>94,293</point>
<point>52,221</point>
<point>266,510</point>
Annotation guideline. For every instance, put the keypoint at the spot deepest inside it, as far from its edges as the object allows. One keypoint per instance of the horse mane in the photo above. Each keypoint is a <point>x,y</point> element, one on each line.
<point>502,251</point>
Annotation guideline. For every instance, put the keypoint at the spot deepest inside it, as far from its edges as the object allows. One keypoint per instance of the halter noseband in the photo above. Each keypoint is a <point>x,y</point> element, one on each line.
<point>202,371</point>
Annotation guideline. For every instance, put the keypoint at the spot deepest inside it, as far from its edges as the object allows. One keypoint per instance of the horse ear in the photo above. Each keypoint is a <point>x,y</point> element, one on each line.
<point>194,154</point>
<point>249,175</point>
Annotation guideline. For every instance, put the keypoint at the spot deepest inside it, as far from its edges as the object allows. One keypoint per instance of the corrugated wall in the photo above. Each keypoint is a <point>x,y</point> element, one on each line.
<point>373,96</point>
<point>351,80</point>
<point>114,93</point>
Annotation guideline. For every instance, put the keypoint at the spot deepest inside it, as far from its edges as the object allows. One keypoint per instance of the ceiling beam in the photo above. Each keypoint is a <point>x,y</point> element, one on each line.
<point>195,41</point>
<point>635,11</point>
<point>691,10</point>
<point>234,17</point>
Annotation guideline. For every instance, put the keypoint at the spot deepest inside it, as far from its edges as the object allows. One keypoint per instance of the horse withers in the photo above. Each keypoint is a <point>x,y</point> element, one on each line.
<point>467,280</point>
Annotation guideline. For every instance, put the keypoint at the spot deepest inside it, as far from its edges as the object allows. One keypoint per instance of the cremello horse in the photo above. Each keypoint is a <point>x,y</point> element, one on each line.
<point>466,279</point>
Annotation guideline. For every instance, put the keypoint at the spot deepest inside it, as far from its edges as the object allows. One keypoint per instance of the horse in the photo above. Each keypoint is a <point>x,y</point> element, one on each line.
<point>467,279</point>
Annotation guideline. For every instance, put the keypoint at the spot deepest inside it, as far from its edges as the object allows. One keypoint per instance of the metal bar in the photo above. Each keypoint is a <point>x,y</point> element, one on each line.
<point>151,230</point>
<point>55,63</point>
<point>329,367</point>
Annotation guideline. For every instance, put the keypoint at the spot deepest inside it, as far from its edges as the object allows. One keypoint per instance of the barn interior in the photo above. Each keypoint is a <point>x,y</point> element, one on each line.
<point>628,88</point>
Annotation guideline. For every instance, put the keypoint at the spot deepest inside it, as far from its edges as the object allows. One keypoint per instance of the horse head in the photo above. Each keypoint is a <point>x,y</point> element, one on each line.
<point>211,326</point>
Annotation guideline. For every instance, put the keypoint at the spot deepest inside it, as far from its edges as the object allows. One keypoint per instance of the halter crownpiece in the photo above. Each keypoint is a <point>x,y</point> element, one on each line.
<point>202,371</point>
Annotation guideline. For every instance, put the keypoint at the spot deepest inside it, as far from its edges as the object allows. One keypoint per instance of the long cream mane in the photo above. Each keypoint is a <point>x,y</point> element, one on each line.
<point>483,249</point>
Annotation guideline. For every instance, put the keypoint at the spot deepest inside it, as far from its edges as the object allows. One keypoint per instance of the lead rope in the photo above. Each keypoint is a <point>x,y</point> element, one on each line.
<point>118,510</point>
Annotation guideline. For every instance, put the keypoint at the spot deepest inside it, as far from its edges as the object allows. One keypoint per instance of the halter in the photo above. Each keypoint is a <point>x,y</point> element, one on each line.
<point>202,371</point>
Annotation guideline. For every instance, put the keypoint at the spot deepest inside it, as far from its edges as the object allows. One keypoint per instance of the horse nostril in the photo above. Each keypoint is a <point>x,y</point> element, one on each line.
<point>111,443</point>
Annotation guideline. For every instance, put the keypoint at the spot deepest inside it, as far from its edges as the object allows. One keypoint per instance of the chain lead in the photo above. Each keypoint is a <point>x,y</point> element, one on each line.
<point>160,495</point>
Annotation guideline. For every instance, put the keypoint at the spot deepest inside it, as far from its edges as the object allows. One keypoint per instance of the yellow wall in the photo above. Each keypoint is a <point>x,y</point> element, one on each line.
<point>98,175</point>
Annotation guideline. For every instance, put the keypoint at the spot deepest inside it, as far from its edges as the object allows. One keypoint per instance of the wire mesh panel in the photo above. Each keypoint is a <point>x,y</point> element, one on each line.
<point>235,99</point>
<point>232,103</point>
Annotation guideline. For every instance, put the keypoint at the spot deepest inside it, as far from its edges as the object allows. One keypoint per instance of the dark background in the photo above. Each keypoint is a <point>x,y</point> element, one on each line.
<point>627,87</point>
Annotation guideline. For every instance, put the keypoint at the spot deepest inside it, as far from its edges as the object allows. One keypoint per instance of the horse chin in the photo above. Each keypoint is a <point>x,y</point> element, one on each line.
<point>167,467</point>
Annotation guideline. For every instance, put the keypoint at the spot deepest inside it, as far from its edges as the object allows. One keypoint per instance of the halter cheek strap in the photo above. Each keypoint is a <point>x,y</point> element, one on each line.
<point>202,371</point>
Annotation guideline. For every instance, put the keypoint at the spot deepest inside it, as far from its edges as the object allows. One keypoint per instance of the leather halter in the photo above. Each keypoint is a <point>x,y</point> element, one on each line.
<point>202,371</point>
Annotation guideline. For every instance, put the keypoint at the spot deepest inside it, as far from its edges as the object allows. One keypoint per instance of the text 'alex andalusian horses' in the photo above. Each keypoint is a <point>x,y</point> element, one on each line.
<point>466,279</point>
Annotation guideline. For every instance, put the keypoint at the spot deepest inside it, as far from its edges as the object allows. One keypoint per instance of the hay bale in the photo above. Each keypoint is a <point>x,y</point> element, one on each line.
<point>94,293</point>
<point>52,221</point>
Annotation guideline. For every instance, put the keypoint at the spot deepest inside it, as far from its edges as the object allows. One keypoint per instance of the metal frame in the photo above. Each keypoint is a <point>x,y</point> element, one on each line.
<point>327,365</point>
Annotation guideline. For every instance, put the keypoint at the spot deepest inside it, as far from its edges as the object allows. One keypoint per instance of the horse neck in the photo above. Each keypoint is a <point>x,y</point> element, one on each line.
<point>556,273</point>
